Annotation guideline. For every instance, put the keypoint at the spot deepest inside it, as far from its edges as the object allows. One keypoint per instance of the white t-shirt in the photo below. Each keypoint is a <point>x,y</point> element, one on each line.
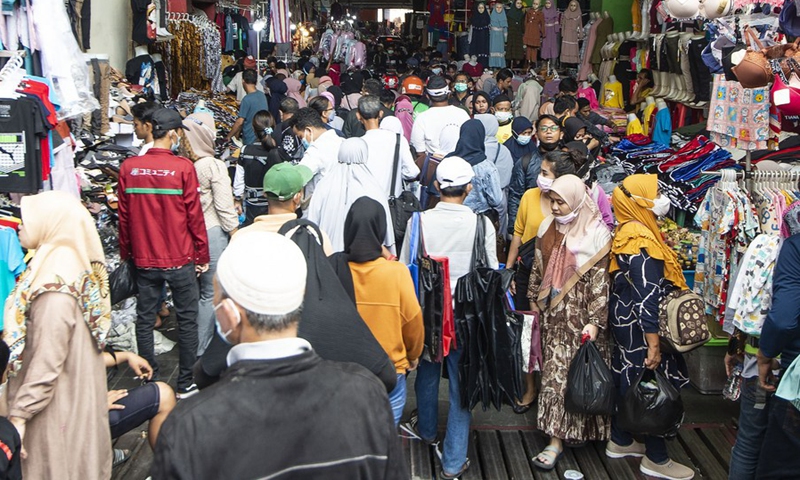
<point>144,148</point>
<point>429,124</point>
<point>320,155</point>
<point>237,86</point>
<point>381,159</point>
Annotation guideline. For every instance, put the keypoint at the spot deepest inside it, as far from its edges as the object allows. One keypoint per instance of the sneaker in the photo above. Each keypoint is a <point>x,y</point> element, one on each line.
<point>635,449</point>
<point>186,392</point>
<point>410,428</point>
<point>669,470</point>
<point>454,476</point>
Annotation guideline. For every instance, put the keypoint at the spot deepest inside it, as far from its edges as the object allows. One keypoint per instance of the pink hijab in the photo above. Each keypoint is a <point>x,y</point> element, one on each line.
<point>404,112</point>
<point>293,90</point>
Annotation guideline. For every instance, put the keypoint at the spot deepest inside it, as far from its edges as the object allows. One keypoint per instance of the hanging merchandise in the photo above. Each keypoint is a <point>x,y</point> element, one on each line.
<point>281,24</point>
<point>572,33</point>
<point>497,36</point>
<point>738,117</point>
<point>193,56</point>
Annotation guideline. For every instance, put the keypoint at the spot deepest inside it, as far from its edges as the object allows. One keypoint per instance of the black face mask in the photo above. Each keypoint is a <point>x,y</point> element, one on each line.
<point>547,147</point>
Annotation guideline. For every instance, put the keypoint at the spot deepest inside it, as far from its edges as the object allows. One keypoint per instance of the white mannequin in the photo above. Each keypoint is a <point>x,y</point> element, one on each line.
<point>628,35</point>
<point>612,78</point>
<point>650,100</point>
<point>585,85</point>
<point>631,117</point>
<point>605,14</point>
<point>593,78</point>
<point>660,104</point>
<point>140,50</point>
<point>156,57</point>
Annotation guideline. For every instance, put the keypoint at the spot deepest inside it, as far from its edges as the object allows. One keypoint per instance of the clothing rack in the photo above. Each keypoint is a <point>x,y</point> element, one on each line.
<point>747,174</point>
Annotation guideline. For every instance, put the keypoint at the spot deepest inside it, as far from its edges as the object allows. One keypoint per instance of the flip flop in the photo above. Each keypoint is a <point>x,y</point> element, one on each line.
<point>550,452</point>
<point>120,457</point>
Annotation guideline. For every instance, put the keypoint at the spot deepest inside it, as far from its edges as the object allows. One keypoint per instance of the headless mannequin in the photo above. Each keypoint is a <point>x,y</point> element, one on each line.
<point>586,84</point>
<point>612,78</point>
<point>156,57</point>
<point>605,14</point>
<point>140,50</point>
<point>676,89</point>
<point>660,104</point>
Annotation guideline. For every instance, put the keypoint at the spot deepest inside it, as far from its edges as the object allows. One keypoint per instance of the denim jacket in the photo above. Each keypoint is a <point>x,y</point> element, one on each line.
<point>486,191</point>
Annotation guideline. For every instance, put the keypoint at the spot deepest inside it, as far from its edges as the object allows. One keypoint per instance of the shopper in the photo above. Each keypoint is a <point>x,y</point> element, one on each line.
<point>347,181</point>
<point>143,124</point>
<point>219,213</point>
<point>283,133</point>
<point>453,180</point>
<point>321,145</point>
<point>385,294</point>
<point>569,286</point>
<point>162,231</point>
<point>486,192</point>
<point>236,85</point>
<point>461,89</point>
<point>339,427</point>
<point>643,269</point>
<point>56,324</point>
<point>428,124</point>
<point>251,104</point>
<point>521,142</point>
<point>381,147</point>
<point>501,107</point>
<point>480,103</point>
<point>352,125</point>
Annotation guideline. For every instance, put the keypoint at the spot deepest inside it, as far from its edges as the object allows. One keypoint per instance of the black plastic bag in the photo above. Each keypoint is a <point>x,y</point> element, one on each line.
<point>651,408</point>
<point>590,386</point>
<point>122,282</point>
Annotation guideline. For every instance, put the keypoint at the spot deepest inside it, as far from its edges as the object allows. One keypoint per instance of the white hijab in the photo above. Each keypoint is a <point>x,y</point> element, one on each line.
<point>347,181</point>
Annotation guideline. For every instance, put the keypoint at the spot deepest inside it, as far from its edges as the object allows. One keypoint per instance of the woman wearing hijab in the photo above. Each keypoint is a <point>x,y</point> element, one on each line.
<point>644,269</point>
<point>293,87</point>
<point>521,142</point>
<point>496,152</point>
<point>347,181</point>
<point>575,130</point>
<point>480,104</point>
<point>569,285</point>
<point>479,27</point>
<point>352,83</point>
<point>516,31</point>
<point>325,83</point>
<point>385,294</point>
<point>404,111</point>
<point>277,92</point>
<point>333,119</point>
<point>486,194</point>
<point>56,322</point>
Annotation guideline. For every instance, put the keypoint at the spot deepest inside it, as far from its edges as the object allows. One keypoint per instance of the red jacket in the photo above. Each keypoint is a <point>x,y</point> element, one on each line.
<point>161,222</point>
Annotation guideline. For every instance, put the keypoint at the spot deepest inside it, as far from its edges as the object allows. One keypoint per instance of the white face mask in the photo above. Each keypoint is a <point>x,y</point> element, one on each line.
<point>504,117</point>
<point>176,144</point>
<point>224,335</point>
<point>660,206</point>
<point>568,218</point>
<point>544,183</point>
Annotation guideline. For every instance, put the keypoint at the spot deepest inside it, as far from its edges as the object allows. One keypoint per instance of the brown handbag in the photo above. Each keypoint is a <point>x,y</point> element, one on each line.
<point>754,70</point>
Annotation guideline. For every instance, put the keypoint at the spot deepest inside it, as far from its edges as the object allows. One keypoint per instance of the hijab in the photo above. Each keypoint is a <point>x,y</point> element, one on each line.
<point>392,124</point>
<point>498,19</point>
<point>478,19</point>
<point>335,72</point>
<point>550,14</point>
<point>471,146</point>
<point>514,14</point>
<point>352,83</point>
<point>404,111</point>
<point>638,228</point>
<point>325,83</point>
<point>475,97</point>
<point>572,125</point>
<point>277,92</point>
<point>68,259</point>
<point>337,95</point>
<point>346,181</point>
<point>519,125</point>
<point>569,14</point>
<point>201,133</point>
<point>293,90</point>
<point>571,250</point>
<point>448,139</point>
<point>364,231</point>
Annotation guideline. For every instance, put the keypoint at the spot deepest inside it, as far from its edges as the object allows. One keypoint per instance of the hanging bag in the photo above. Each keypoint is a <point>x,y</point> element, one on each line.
<point>651,406</point>
<point>430,283</point>
<point>590,386</point>
<point>403,207</point>
<point>753,71</point>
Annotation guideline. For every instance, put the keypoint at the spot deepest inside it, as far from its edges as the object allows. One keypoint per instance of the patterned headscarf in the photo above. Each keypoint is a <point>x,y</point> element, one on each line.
<point>69,259</point>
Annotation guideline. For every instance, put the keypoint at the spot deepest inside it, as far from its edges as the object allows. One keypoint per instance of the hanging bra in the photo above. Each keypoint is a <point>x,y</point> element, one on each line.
<point>785,93</point>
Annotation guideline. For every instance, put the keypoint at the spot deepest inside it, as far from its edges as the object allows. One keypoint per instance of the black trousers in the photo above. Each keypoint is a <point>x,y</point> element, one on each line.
<point>779,454</point>
<point>701,75</point>
<point>185,295</point>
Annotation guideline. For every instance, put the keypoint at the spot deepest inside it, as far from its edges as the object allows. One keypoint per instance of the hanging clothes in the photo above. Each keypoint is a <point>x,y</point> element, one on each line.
<point>534,30</point>
<point>589,44</point>
<point>604,29</point>
<point>497,37</point>
<point>589,94</point>
<point>612,95</point>
<point>572,33</point>
<point>516,28</point>
<point>738,117</point>
<point>479,34</point>
<point>552,26</point>
<point>662,130</point>
<point>279,15</point>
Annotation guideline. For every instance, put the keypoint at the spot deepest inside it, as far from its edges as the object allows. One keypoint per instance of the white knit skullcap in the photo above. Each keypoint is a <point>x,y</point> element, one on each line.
<point>263,272</point>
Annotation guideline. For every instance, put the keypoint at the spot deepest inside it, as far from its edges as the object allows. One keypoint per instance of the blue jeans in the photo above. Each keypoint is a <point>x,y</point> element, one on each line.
<point>655,447</point>
<point>397,398</point>
<point>456,439</point>
<point>750,437</point>
<point>779,455</point>
<point>217,241</point>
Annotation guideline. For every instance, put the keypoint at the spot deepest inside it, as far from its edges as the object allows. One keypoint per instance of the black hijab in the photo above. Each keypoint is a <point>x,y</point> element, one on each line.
<point>352,82</point>
<point>337,95</point>
<point>277,92</point>
<point>364,230</point>
<point>480,19</point>
<point>471,146</point>
<point>488,101</point>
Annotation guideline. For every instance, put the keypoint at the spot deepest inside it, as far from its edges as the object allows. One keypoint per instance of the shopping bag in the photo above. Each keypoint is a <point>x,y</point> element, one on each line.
<point>428,276</point>
<point>122,282</point>
<point>590,386</point>
<point>651,406</point>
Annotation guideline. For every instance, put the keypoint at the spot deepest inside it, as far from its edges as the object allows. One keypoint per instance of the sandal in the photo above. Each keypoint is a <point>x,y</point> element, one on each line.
<point>120,457</point>
<point>519,408</point>
<point>550,452</point>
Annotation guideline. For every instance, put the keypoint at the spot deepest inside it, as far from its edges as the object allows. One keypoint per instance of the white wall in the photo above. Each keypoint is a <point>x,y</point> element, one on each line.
<point>111,31</point>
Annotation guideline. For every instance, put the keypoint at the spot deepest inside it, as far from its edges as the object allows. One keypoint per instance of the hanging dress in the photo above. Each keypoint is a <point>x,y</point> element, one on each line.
<point>497,38</point>
<point>572,33</point>
<point>586,64</point>
<point>534,28</point>
<point>479,36</point>
<point>516,27</point>
<point>551,29</point>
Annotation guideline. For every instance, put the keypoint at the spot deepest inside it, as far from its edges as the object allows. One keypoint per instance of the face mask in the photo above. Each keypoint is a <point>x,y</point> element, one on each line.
<point>544,183</point>
<point>660,206</point>
<point>224,335</point>
<point>305,142</point>
<point>568,218</point>
<point>332,116</point>
<point>176,145</point>
<point>504,117</point>
<point>436,71</point>
<point>460,87</point>
<point>548,147</point>
<point>524,139</point>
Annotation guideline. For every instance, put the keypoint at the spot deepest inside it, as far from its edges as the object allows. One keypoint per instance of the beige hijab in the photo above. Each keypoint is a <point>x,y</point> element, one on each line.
<point>68,259</point>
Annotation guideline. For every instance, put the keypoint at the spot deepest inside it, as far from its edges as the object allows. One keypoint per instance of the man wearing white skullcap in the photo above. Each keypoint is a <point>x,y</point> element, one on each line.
<point>279,407</point>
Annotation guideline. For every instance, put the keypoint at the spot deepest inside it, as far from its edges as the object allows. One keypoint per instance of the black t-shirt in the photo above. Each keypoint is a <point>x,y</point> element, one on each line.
<point>286,139</point>
<point>256,161</point>
<point>10,446</point>
<point>139,8</point>
<point>21,129</point>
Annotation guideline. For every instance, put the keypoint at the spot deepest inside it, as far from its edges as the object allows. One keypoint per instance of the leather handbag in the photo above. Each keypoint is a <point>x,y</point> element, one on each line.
<point>754,70</point>
<point>403,207</point>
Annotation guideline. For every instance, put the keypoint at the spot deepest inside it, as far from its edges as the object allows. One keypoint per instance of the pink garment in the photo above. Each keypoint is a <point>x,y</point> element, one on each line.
<point>293,90</point>
<point>404,112</point>
<point>588,94</point>
<point>586,65</point>
<point>601,199</point>
<point>335,73</point>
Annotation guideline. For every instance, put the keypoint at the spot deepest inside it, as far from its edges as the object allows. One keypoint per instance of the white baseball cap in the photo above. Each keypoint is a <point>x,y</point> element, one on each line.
<point>263,272</point>
<point>454,172</point>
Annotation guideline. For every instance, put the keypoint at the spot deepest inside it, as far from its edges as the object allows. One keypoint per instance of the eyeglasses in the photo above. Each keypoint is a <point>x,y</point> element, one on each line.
<point>552,128</point>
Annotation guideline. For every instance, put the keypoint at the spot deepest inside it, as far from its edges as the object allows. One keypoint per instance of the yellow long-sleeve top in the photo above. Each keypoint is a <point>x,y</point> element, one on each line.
<point>529,215</point>
<point>386,300</point>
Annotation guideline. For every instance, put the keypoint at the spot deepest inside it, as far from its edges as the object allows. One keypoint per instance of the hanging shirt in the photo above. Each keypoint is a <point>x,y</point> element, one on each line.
<point>647,115</point>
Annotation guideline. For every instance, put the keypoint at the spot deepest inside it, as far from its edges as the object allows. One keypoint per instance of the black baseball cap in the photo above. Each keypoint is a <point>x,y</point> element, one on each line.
<point>167,119</point>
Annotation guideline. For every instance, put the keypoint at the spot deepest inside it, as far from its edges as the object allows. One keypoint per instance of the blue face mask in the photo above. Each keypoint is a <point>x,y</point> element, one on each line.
<point>224,335</point>
<point>524,139</point>
<point>460,87</point>
<point>436,71</point>
<point>305,143</point>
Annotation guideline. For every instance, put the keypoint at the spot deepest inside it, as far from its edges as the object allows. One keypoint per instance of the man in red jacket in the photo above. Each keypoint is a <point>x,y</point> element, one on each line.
<point>161,228</point>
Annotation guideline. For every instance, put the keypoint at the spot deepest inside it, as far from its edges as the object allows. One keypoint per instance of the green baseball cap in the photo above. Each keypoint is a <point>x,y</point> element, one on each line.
<point>284,180</point>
